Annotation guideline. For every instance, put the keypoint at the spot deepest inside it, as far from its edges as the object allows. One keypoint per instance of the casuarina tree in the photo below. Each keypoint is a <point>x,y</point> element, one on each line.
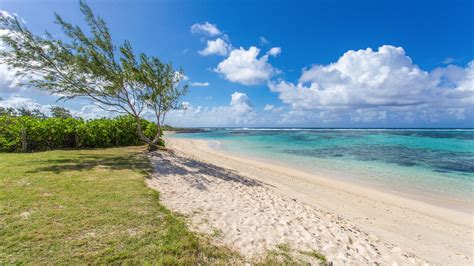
<point>87,64</point>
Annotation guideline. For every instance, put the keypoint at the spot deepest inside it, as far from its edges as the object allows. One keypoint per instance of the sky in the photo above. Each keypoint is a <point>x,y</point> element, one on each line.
<point>287,63</point>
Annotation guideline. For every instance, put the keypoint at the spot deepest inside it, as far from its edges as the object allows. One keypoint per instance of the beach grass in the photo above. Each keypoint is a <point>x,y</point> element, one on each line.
<point>284,254</point>
<point>91,206</point>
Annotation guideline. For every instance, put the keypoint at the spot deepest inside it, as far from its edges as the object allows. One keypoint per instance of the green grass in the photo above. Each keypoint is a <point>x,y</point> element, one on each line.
<point>283,254</point>
<point>91,206</point>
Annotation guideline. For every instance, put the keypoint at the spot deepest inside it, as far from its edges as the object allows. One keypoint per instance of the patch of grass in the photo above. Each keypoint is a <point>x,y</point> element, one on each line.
<point>216,232</point>
<point>315,255</point>
<point>91,206</point>
<point>283,254</point>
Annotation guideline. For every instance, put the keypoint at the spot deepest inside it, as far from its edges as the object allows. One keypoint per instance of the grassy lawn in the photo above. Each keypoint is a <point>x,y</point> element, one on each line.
<point>92,206</point>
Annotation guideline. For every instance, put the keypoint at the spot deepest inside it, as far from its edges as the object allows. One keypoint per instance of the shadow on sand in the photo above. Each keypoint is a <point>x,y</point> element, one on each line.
<point>194,171</point>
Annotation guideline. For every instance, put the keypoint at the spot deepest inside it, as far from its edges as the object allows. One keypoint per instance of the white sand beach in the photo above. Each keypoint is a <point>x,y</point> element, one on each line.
<point>252,206</point>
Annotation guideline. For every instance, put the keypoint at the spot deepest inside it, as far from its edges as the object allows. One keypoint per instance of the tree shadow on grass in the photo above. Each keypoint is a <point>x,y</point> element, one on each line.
<point>86,162</point>
<point>193,171</point>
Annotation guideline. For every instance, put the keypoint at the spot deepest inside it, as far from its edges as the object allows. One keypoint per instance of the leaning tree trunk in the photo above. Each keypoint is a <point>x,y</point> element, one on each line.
<point>152,145</point>
<point>158,140</point>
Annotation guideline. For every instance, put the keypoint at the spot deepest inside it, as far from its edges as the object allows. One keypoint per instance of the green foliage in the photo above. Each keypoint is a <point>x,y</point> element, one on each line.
<point>7,111</point>
<point>87,64</point>
<point>28,133</point>
<point>283,254</point>
<point>58,111</point>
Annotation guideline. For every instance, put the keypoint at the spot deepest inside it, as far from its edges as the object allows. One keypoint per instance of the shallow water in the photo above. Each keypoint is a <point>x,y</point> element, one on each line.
<point>434,164</point>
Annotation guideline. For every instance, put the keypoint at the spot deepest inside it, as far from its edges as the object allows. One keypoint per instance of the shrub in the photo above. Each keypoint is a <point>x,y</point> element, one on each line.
<point>27,133</point>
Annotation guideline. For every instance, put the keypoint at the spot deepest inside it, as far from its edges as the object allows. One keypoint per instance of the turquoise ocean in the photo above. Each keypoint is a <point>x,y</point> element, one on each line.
<point>432,165</point>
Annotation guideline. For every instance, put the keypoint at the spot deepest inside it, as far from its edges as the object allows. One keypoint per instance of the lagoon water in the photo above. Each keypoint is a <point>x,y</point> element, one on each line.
<point>433,165</point>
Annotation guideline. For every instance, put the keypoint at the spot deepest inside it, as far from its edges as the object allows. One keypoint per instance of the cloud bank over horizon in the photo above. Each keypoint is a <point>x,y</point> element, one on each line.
<point>368,86</point>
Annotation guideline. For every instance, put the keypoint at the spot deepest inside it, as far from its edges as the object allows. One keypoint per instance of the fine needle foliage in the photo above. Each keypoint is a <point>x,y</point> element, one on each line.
<point>87,64</point>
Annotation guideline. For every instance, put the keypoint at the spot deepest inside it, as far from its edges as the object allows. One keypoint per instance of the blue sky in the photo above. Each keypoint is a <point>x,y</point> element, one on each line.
<point>290,63</point>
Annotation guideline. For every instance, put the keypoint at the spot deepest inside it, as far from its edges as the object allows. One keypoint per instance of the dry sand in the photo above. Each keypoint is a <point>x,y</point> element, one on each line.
<point>252,206</point>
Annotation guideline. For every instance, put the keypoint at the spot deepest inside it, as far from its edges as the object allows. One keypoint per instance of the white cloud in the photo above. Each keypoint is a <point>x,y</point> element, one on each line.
<point>268,107</point>
<point>87,111</point>
<point>448,60</point>
<point>217,46</point>
<point>367,86</point>
<point>18,102</point>
<point>272,108</point>
<point>206,28</point>
<point>367,78</point>
<point>368,115</point>
<point>92,111</point>
<point>8,79</point>
<point>240,103</point>
<point>200,84</point>
<point>274,51</point>
<point>243,66</point>
<point>301,117</point>
<point>263,40</point>
<point>240,111</point>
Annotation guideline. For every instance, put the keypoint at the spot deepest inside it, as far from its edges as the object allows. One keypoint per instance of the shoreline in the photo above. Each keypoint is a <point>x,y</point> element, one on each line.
<point>444,202</point>
<point>365,190</point>
<point>432,233</point>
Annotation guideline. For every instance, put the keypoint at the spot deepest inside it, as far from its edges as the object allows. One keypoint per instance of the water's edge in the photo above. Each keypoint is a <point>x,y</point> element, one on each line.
<point>353,158</point>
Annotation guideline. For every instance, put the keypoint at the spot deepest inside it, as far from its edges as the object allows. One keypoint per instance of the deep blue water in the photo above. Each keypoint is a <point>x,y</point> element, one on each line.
<point>432,161</point>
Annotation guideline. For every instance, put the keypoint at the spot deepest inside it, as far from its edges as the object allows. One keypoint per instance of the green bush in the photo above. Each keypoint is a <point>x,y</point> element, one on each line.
<point>26,133</point>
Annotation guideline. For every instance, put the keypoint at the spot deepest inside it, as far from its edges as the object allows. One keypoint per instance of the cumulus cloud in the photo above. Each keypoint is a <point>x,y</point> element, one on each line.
<point>18,102</point>
<point>217,46</point>
<point>206,28</point>
<point>92,111</point>
<point>240,111</point>
<point>274,51</point>
<point>199,84</point>
<point>8,80</point>
<point>383,80</point>
<point>272,108</point>
<point>268,107</point>
<point>244,67</point>
<point>87,111</point>
<point>240,103</point>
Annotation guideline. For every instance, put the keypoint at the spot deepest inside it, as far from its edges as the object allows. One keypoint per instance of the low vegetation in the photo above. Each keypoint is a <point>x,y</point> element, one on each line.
<point>283,254</point>
<point>91,206</point>
<point>33,133</point>
<point>86,63</point>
